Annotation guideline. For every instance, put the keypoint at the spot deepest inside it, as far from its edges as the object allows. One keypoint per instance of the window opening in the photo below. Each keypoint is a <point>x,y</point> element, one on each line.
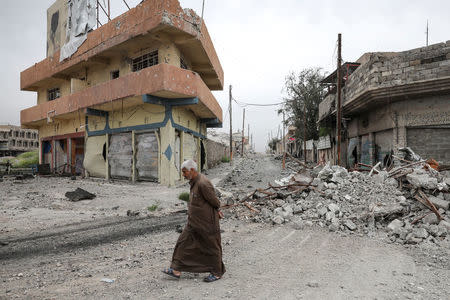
<point>115,74</point>
<point>145,61</point>
<point>53,94</point>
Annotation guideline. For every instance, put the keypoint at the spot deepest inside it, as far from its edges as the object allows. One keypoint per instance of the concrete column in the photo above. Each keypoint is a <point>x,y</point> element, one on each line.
<point>133,145</point>
<point>372,147</point>
<point>69,155</point>
<point>108,173</point>
<point>168,169</point>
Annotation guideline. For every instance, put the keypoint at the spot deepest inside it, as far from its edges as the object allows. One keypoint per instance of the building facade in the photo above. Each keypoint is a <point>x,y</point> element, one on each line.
<point>393,100</point>
<point>134,99</point>
<point>15,140</point>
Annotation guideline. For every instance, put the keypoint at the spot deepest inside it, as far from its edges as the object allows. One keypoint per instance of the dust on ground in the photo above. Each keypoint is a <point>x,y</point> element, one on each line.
<point>263,261</point>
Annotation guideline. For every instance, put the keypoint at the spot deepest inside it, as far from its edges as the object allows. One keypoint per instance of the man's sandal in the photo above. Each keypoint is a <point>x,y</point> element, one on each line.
<point>211,278</point>
<point>169,271</point>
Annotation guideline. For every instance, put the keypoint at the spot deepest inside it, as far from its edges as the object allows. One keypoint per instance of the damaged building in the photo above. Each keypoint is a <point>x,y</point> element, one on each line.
<point>130,99</point>
<point>391,100</point>
<point>15,140</point>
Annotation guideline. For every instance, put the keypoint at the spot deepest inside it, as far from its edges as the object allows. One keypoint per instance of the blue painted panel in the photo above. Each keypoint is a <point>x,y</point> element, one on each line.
<point>168,152</point>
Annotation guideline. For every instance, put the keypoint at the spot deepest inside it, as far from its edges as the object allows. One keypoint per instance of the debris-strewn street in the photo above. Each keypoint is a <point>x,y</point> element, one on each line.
<point>306,241</point>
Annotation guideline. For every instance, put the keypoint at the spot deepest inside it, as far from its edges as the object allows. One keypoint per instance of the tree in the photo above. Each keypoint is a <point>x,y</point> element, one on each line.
<point>304,93</point>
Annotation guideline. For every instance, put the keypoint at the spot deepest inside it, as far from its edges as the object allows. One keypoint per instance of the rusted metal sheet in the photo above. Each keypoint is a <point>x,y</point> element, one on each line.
<point>147,156</point>
<point>120,155</point>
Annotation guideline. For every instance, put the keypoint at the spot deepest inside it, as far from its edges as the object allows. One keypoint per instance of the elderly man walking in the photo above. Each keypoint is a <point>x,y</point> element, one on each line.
<point>199,248</point>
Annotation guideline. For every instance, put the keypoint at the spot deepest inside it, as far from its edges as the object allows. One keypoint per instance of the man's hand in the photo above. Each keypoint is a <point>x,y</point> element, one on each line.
<point>221,216</point>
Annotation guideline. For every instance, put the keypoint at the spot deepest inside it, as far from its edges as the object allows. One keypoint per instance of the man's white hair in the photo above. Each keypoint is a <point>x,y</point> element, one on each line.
<point>189,164</point>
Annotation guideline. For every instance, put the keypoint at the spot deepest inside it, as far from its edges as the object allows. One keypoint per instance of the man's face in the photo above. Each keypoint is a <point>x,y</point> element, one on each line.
<point>187,174</point>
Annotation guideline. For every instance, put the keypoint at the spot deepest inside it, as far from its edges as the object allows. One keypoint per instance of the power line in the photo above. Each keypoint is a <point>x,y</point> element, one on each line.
<point>245,104</point>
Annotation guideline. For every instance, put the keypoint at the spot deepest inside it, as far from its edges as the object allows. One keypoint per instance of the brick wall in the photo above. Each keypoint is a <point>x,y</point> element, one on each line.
<point>392,69</point>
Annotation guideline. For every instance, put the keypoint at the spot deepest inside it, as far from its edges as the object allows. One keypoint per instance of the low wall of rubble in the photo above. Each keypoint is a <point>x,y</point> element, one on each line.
<point>215,151</point>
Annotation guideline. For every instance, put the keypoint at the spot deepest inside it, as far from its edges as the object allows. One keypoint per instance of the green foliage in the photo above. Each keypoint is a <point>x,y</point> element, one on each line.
<point>25,160</point>
<point>304,94</point>
<point>153,207</point>
<point>184,196</point>
<point>225,159</point>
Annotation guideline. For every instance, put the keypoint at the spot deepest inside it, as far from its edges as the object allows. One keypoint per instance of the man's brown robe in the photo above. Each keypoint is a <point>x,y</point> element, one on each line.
<point>199,247</point>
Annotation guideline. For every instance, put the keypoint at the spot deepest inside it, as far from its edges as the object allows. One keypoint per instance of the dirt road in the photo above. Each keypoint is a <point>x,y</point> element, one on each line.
<point>69,260</point>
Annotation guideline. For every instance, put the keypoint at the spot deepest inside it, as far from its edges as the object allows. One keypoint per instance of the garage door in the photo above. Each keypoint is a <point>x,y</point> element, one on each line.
<point>430,143</point>
<point>190,147</point>
<point>120,155</point>
<point>147,156</point>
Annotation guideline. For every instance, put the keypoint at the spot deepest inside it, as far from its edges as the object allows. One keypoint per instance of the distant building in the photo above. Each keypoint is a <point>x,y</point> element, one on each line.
<point>130,99</point>
<point>391,100</point>
<point>15,140</point>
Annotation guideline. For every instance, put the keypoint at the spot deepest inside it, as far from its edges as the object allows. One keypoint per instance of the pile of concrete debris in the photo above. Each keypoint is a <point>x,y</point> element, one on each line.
<point>410,203</point>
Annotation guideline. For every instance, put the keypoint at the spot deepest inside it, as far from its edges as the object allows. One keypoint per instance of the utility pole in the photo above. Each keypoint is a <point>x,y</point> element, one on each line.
<point>427,33</point>
<point>304,131</point>
<point>231,126</point>
<point>243,138</point>
<point>284,137</point>
<point>248,135</point>
<point>339,105</point>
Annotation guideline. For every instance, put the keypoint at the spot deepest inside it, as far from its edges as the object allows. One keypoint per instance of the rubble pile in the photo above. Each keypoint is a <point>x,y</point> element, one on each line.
<point>410,203</point>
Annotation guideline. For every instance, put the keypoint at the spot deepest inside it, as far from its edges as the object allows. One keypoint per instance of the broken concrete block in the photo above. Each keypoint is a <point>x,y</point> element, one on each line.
<point>278,211</point>
<point>298,224</point>
<point>322,211</point>
<point>277,220</point>
<point>395,225</point>
<point>420,233</point>
<point>326,173</point>
<point>392,182</point>
<point>433,230</point>
<point>79,194</point>
<point>430,219</point>
<point>333,207</point>
<point>422,180</point>
<point>445,224</point>
<point>350,225</point>
<point>266,213</point>
<point>329,216</point>
<point>439,203</point>
<point>297,209</point>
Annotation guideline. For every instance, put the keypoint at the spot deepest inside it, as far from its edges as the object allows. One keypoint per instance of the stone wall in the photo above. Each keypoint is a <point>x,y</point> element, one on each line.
<point>214,152</point>
<point>392,69</point>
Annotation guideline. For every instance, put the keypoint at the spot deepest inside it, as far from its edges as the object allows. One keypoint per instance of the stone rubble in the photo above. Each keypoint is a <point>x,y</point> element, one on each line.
<point>354,202</point>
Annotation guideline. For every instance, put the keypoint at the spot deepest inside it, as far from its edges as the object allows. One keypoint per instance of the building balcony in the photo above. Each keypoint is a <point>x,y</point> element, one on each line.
<point>152,21</point>
<point>161,80</point>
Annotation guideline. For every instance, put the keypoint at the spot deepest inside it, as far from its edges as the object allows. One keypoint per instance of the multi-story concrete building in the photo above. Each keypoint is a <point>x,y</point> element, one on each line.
<point>133,100</point>
<point>393,100</point>
<point>15,140</point>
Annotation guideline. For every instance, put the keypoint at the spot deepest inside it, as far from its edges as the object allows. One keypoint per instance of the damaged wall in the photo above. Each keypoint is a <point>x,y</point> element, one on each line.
<point>56,26</point>
<point>95,156</point>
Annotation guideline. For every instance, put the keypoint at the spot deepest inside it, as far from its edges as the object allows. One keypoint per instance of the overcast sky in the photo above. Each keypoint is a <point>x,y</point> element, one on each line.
<point>258,43</point>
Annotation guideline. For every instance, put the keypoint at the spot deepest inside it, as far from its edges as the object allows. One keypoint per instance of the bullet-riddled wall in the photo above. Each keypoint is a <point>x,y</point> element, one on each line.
<point>175,131</point>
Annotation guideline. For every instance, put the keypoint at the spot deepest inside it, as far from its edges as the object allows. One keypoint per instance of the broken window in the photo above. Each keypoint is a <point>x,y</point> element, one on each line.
<point>145,61</point>
<point>183,64</point>
<point>115,74</point>
<point>53,94</point>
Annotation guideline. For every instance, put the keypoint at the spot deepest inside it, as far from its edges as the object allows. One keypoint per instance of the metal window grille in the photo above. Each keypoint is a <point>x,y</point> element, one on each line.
<point>53,94</point>
<point>145,61</point>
